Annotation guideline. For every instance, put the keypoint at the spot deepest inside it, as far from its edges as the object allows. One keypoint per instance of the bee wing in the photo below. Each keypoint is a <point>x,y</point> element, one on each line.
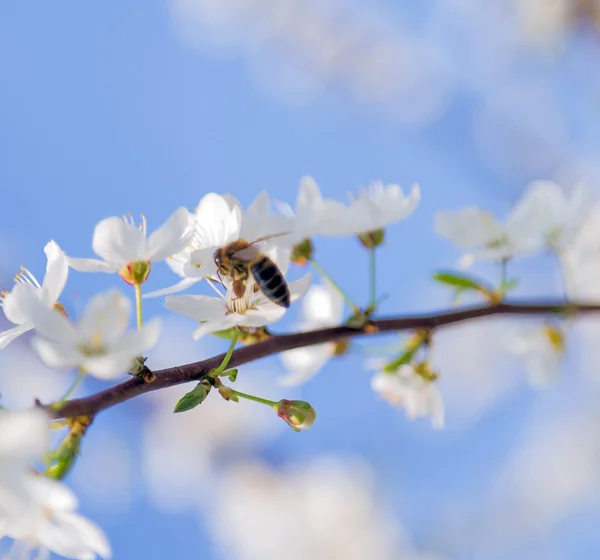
<point>247,253</point>
<point>265,237</point>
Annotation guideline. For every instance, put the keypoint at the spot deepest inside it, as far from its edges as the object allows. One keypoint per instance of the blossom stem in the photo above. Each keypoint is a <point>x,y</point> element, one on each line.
<point>503,272</point>
<point>227,357</point>
<point>253,398</point>
<point>567,277</point>
<point>138,304</point>
<point>76,382</point>
<point>335,285</point>
<point>372,273</point>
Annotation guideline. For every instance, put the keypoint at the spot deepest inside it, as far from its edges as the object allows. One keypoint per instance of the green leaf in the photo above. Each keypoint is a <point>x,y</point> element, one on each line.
<point>193,398</point>
<point>231,374</point>
<point>460,281</point>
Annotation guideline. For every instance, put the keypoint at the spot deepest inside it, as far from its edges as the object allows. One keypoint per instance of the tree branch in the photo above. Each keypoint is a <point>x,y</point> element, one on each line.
<point>168,377</point>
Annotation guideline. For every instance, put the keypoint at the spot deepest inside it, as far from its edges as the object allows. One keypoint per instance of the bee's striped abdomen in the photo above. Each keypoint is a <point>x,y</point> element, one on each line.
<point>270,281</point>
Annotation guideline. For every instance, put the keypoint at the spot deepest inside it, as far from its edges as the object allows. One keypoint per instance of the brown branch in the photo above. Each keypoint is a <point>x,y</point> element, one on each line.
<point>92,405</point>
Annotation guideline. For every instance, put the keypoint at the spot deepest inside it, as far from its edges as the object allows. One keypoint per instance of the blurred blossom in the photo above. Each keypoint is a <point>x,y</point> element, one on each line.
<point>543,22</point>
<point>322,307</point>
<point>551,474</point>
<point>301,48</point>
<point>580,261</point>
<point>542,350</point>
<point>324,510</point>
<point>580,264</point>
<point>409,388</point>
<point>24,378</point>
<point>476,372</point>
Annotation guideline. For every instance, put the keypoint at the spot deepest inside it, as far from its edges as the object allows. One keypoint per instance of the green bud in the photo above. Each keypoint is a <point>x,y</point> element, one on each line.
<point>298,414</point>
<point>137,365</point>
<point>194,398</point>
<point>372,239</point>
<point>136,272</point>
<point>302,252</point>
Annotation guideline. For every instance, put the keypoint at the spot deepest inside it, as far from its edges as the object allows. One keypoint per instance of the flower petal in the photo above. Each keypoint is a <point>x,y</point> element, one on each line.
<point>256,218</point>
<point>173,236</point>
<point>140,340</point>
<point>118,242</point>
<point>174,289</point>
<point>86,534</point>
<point>299,287</point>
<point>53,325</point>
<point>108,366</point>
<point>304,363</point>
<point>91,265</point>
<point>221,324</point>
<point>217,223</point>
<point>106,315</point>
<point>56,355</point>
<point>469,227</point>
<point>53,494</point>
<point>8,336</point>
<point>25,433</point>
<point>323,306</point>
<point>200,308</point>
<point>57,269</point>
<point>18,303</point>
<point>202,262</point>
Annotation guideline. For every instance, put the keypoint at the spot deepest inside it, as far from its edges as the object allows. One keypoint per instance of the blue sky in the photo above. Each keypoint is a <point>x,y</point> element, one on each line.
<point>107,108</point>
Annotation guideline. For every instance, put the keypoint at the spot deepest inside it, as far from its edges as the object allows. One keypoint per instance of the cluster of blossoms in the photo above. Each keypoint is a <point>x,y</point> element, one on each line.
<point>100,343</point>
<point>38,510</point>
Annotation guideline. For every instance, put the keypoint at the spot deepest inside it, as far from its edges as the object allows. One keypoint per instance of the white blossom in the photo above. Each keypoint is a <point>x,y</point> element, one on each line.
<point>374,208</point>
<point>16,304</point>
<point>253,309</point>
<point>39,513</point>
<point>405,388</point>
<point>543,217</point>
<point>119,242</point>
<point>322,307</point>
<point>217,221</point>
<point>380,205</point>
<point>53,524</point>
<point>98,343</point>
<point>542,350</point>
<point>327,509</point>
<point>24,436</point>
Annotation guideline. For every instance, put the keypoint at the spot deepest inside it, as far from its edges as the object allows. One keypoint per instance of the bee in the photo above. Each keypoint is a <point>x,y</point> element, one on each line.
<point>241,258</point>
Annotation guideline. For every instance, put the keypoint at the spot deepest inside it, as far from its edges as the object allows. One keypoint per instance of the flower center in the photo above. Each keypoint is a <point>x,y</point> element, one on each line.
<point>94,346</point>
<point>241,305</point>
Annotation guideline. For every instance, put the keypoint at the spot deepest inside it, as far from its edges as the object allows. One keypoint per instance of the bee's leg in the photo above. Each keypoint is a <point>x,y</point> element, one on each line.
<point>239,288</point>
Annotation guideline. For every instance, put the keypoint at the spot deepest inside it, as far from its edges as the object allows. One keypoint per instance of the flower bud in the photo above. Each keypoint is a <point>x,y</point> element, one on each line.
<point>372,239</point>
<point>424,370</point>
<point>302,252</point>
<point>341,347</point>
<point>298,414</point>
<point>136,272</point>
